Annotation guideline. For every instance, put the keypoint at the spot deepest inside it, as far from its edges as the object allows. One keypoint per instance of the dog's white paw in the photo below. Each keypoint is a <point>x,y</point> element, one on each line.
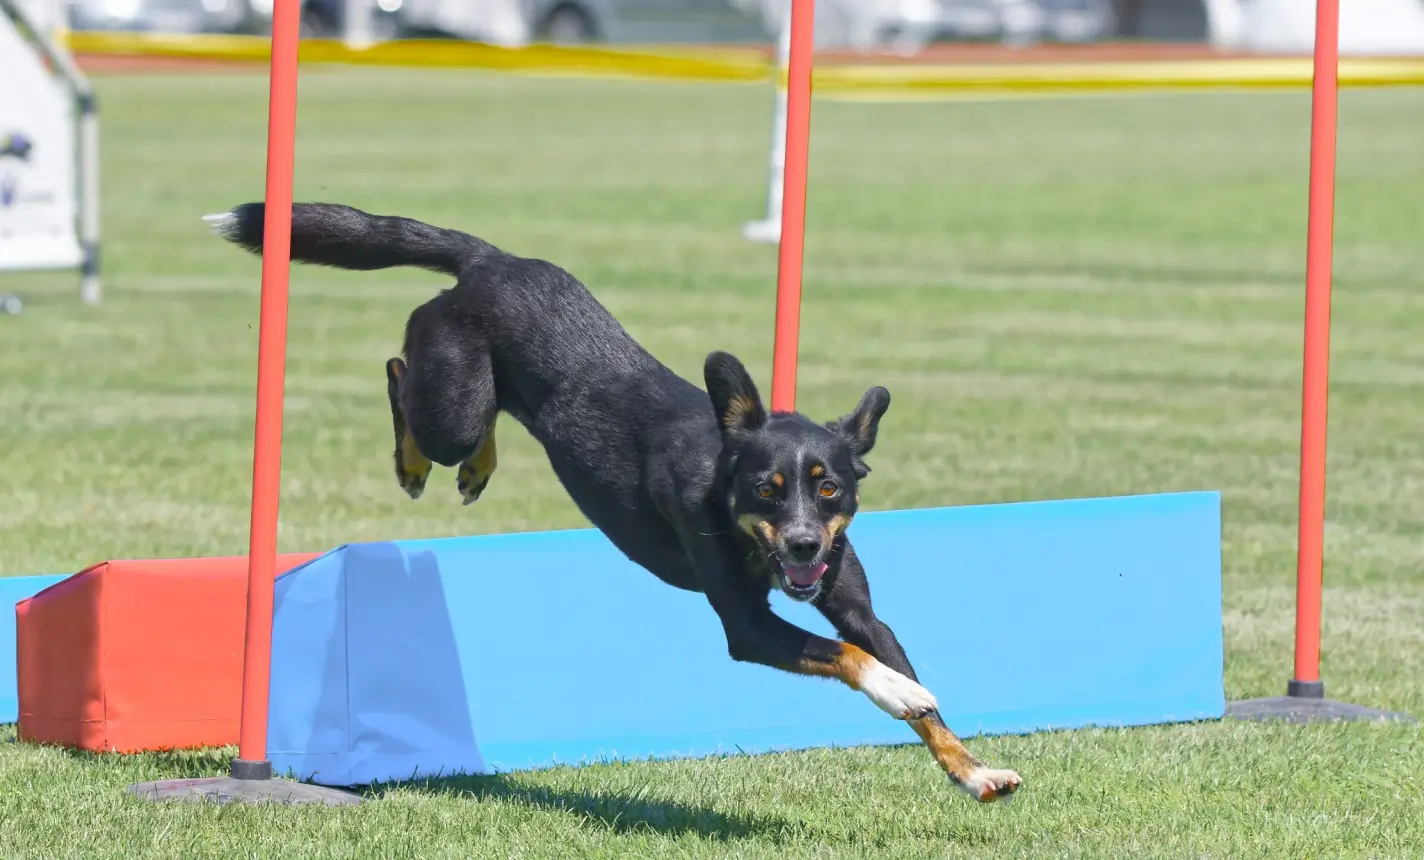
<point>896,694</point>
<point>987,786</point>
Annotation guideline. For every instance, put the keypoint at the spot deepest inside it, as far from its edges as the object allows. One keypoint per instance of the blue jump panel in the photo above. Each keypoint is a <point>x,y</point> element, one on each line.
<point>13,589</point>
<point>506,652</point>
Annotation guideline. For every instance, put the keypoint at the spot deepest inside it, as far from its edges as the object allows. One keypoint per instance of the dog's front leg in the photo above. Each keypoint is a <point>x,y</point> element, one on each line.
<point>755,634</point>
<point>847,606</point>
<point>761,636</point>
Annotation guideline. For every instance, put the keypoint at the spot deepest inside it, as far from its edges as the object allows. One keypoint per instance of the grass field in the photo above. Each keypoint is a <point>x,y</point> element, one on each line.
<point>1066,298</point>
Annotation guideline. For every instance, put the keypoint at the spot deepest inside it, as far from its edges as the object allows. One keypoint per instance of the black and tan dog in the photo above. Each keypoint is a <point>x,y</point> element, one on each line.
<point>710,493</point>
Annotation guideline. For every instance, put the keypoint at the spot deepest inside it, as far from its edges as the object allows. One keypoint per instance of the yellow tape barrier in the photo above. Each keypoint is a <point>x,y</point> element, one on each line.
<point>733,64</point>
<point>707,65</point>
<point>1256,73</point>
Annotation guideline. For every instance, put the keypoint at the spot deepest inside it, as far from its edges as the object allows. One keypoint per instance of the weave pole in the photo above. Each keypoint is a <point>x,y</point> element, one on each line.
<point>767,230</point>
<point>793,206</point>
<point>251,761</point>
<point>1305,692</point>
<point>250,777</point>
<point>1315,370</point>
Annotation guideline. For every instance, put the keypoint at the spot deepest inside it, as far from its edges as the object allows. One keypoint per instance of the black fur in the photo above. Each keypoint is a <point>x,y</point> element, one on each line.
<point>671,474</point>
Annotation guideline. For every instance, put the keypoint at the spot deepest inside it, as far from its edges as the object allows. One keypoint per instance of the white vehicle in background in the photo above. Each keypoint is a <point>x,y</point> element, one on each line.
<point>908,26</point>
<point>168,16</point>
<point>319,17</point>
<point>516,22</point>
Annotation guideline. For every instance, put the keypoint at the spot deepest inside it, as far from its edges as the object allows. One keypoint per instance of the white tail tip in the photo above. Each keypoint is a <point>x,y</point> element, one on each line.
<point>223,223</point>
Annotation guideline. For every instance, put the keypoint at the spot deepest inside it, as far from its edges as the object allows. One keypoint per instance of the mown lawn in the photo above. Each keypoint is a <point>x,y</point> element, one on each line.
<point>1067,298</point>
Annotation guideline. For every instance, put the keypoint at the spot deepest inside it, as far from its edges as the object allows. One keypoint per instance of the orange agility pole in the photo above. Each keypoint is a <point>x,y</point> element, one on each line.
<point>271,380</point>
<point>1316,364</point>
<point>793,207</point>
<point>1305,692</point>
<point>250,778</point>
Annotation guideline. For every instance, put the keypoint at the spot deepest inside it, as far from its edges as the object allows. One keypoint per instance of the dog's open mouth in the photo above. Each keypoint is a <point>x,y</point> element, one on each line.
<point>802,581</point>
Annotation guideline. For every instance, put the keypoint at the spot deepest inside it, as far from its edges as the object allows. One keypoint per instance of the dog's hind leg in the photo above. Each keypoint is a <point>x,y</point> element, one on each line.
<point>474,474</point>
<point>443,403</point>
<point>412,466</point>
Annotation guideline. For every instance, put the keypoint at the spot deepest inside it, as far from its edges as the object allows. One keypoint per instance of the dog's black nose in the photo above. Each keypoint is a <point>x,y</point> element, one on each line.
<point>803,548</point>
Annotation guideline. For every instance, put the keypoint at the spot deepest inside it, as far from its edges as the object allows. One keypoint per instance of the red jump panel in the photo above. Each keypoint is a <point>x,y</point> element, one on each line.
<point>130,656</point>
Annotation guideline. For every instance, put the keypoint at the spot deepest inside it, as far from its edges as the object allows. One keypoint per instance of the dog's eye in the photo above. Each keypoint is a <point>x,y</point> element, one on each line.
<point>765,490</point>
<point>829,489</point>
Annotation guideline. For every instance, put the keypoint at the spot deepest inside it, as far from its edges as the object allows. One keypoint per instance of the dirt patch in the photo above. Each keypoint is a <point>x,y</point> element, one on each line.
<point>129,64</point>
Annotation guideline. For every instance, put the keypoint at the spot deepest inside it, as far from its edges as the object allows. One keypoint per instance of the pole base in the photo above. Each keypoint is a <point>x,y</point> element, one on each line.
<point>89,291</point>
<point>250,782</point>
<point>764,232</point>
<point>1305,703</point>
<point>224,790</point>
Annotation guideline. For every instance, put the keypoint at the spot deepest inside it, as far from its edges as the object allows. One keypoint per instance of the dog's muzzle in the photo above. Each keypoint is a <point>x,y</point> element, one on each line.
<point>800,558</point>
<point>801,581</point>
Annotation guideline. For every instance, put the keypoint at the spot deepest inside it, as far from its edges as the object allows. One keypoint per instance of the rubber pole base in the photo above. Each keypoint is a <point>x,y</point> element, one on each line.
<point>225,790</point>
<point>1305,703</point>
<point>250,782</point>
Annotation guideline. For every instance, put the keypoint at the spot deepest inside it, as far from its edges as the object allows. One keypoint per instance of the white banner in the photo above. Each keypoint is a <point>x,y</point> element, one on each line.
<point>38,167</point>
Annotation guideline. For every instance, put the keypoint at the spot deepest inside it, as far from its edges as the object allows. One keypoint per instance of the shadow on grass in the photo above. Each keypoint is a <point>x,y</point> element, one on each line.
<point>164,764</point>
<point>618,811</point>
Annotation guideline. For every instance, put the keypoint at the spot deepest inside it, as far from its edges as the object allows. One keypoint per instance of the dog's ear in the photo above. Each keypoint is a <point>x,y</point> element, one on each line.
<point>858,429</point>
<point>734,395</point>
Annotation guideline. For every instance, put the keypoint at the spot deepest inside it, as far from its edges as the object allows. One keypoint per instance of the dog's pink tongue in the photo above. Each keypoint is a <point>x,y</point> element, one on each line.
<point>805,574</point>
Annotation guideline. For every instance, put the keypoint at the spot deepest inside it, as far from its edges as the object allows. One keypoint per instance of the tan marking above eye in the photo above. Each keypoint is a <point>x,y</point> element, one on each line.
<point>778,479</point>
<point>817,471</point>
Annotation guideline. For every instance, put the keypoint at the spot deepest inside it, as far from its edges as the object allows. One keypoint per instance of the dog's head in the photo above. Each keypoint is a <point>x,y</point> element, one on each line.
<point>789,482</point>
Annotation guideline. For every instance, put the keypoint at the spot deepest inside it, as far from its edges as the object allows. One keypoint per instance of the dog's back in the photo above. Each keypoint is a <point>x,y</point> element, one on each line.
<point>548,331</point>
<point>525,337</point>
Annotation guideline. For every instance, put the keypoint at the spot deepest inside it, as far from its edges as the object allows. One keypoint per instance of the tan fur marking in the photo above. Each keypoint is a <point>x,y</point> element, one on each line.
<point>864,424</point>
<point>738,408</point>
<point>848,667</point>
<point>754,525</point>
<point>778,479</point>
<point>836,526</point>
<point>949,751</point>
<point>817,471</point>
<point>413,465</point>
<point>475,473</point>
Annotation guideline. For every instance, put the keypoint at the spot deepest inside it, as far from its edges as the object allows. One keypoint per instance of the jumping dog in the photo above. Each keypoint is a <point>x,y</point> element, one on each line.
<point>706,490</point>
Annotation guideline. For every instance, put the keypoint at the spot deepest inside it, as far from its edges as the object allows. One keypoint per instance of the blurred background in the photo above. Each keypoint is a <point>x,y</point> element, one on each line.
<point>904,25</point>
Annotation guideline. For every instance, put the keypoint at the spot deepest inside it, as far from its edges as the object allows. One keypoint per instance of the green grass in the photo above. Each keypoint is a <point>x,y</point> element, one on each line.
<point>1067,298</point>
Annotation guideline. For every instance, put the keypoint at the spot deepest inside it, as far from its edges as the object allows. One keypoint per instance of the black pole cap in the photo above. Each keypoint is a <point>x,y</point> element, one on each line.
<point>253,770</point>
<point>1305,689</point>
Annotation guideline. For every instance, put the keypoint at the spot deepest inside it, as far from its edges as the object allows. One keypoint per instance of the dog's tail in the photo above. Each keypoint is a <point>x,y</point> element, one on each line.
<point>329,234</point>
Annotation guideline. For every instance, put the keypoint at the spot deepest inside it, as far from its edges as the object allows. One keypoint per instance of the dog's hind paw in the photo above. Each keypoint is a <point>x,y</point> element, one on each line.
<point>413,484</point>
<point>470,487</point>
<point>987,786</point>
<point>895,694</point>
